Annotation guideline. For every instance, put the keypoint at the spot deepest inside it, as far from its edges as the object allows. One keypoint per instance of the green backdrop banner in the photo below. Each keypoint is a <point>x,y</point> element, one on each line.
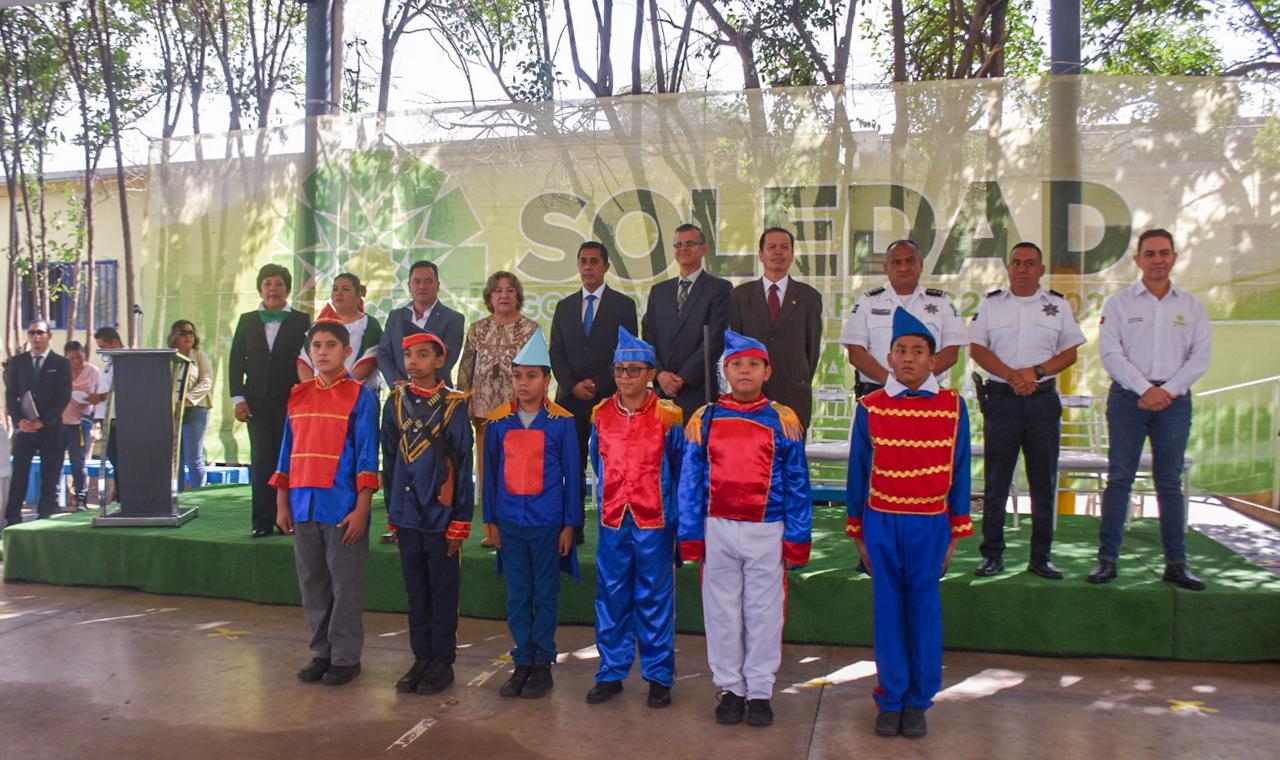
<point>1078,165</point>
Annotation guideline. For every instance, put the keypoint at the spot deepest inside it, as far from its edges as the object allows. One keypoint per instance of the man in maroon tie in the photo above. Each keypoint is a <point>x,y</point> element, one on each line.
<point>785,315</point>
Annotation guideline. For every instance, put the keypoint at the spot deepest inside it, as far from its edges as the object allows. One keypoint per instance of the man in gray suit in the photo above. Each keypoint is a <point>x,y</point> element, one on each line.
<point>424,314</point>
<point>676,312</point>
<point>786,316</point>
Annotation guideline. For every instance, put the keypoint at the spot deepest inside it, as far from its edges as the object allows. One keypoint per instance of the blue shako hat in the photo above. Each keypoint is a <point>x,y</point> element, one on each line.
<point>534,353</point>
<point>736,344</point>
<point>632,349</point>
<point>906,323</point>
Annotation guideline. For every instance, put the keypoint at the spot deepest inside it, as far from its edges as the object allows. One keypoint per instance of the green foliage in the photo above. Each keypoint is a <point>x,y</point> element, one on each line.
<point>936,36</point>
<point>1148,38</point>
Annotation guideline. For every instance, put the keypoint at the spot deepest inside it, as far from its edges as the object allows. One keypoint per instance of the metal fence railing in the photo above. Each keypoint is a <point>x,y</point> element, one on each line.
<point>1235,441</point>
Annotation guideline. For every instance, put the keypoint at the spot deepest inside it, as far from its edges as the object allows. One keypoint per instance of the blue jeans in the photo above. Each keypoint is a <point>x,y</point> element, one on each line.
<point>194,421</point>
<point>1129,428</point>
<point>531,564</point>
<point>75,444</point>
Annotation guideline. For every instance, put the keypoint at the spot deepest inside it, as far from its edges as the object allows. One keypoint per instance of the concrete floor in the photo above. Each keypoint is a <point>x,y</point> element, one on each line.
<point>117,673</point>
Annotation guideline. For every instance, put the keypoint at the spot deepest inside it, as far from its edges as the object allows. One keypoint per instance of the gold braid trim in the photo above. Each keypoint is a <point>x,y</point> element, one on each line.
<point>913,412</point>
<point>598,407</point>
<point>941,443</point>
<point>555,410</point>
<point>791,426</point>
<point>907,499</point>
<point>912,473</point>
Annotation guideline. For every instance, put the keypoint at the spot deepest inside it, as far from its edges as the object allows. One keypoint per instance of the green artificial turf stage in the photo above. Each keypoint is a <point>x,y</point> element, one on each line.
<point>1237,618</point>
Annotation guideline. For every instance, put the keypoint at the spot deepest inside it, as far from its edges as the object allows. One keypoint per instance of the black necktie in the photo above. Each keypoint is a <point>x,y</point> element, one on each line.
<point>39,361</point>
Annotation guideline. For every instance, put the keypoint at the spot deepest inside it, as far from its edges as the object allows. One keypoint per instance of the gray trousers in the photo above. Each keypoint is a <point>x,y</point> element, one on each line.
<point>742,605</point>
<point>331,576</point>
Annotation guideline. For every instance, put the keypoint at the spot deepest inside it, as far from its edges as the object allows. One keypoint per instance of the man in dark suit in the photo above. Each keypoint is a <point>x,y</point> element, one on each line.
<point>584,335</point>
<point>677,311</point>
<point>264,369</point>
<point>425,313</point>
<point>48,376</point>
<point>785,315</point>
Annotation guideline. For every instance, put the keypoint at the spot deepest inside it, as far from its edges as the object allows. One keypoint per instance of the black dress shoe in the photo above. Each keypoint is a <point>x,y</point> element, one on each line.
<point>408,682</point>
<point>729,711</point>
<point>539,682</point>
<point>603,691</point>
<point>1177,572</point>
<point>888,723</point>
<point>337,675</point>
<point>1045,569</point>
<point>659,695</point>
<point>1105,571</point>
<point>759,712</point>
<point>515,684</point>
<point>260,533</point>
<point>989,567</point>
<point>313,671</point>
<point>913,723</point>
<point>437,678</point>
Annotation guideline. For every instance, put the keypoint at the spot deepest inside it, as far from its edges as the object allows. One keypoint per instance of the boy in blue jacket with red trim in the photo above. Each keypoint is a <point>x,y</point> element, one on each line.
<point>532,503</point>
<point>745,512</point>
<point>430,498</point>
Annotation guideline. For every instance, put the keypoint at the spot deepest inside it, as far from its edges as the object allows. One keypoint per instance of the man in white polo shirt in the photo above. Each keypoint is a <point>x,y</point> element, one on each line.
<point>1155,342</point>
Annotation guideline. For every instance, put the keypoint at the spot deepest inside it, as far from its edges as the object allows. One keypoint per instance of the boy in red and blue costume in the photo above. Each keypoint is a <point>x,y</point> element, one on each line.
<point>908,505</point>
<point>324,480</point>
<point>745,512</point>
<point>430,498</point>
<point>532,503</point>
<point>636,443</point>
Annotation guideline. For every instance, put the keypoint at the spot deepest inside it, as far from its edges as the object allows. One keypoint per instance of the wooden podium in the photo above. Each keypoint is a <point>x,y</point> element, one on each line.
<point>146,401</point>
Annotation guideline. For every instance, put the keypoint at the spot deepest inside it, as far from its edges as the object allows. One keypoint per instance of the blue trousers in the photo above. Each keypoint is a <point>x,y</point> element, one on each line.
<point>906,554</point>
<point>531,565</point>
<point>1129,428</point>
<point>195,420</point>
<point>432,579</point>
<point>636,601</point>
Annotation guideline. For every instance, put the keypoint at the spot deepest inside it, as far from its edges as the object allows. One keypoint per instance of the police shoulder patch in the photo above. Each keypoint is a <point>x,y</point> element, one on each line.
<point>936,293</point>
<point>874,291</point>
<point>1056,293</point>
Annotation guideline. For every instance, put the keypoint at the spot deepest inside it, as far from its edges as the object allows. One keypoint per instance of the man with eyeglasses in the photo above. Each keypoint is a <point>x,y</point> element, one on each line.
<point>676,312</point>
<point>46,376</point>
<point>1023,337</point>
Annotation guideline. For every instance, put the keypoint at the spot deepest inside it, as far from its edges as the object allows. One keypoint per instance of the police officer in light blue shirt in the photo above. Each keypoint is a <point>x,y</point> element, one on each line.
<point>1023,337</point>
<point>1155,341</point>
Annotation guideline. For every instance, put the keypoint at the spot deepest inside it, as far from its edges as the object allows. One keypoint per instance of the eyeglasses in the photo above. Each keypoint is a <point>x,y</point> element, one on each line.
<point>689,244</point>
<point>632,371</point>
<point>37,332</point>
<point>187,333</point>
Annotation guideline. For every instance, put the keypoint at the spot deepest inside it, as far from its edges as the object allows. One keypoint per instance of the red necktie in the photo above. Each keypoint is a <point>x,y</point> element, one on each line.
<point>775,305</point>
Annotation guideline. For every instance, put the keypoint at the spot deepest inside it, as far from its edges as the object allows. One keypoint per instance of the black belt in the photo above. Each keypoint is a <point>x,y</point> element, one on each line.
<point>1157,383</point>
<point>1048,386</point>
<point>862,388</point>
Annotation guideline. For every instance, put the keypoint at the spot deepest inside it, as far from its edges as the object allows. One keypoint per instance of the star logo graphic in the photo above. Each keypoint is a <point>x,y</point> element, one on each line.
<point>1051,309</point>
<point>932,308</point>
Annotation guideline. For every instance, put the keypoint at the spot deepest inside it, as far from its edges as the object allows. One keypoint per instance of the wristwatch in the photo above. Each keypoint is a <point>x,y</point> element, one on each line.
<point>1039,368</point>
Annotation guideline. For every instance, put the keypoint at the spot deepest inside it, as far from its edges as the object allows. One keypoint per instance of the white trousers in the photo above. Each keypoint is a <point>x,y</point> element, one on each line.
<point>742,605</point>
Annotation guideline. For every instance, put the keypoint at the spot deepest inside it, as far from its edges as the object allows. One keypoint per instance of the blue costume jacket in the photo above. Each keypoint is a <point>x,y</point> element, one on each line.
<point>430,432</point>
<point>531,477</point>
<point>745,461</point>
<point>323,421</point>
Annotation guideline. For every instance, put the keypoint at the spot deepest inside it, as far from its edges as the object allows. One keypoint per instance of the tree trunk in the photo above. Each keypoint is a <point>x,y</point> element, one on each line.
<point>899,41</point>
<point>637,41</point>
<point>98,15</point>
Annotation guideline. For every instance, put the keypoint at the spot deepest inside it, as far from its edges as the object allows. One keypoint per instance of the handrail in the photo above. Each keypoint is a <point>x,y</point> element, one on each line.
<point>1237,386</point>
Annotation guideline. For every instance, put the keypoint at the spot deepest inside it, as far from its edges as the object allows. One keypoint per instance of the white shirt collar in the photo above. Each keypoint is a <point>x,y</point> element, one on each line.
<point>782,284</point>
<point>413,311</point>
<point>693,278</point>
<point>1140,288</point>
<point>43,356</point>
<point>598,292</point>
<point>895,388</point>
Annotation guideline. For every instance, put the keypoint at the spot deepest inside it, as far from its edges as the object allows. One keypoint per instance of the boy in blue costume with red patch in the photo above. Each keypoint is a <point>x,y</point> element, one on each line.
<point>745,512</point>
<point>430,498</point>
<point>636,443</point>
<point>532,503</point>
<point>324,480</point>
<point>908,505</point>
